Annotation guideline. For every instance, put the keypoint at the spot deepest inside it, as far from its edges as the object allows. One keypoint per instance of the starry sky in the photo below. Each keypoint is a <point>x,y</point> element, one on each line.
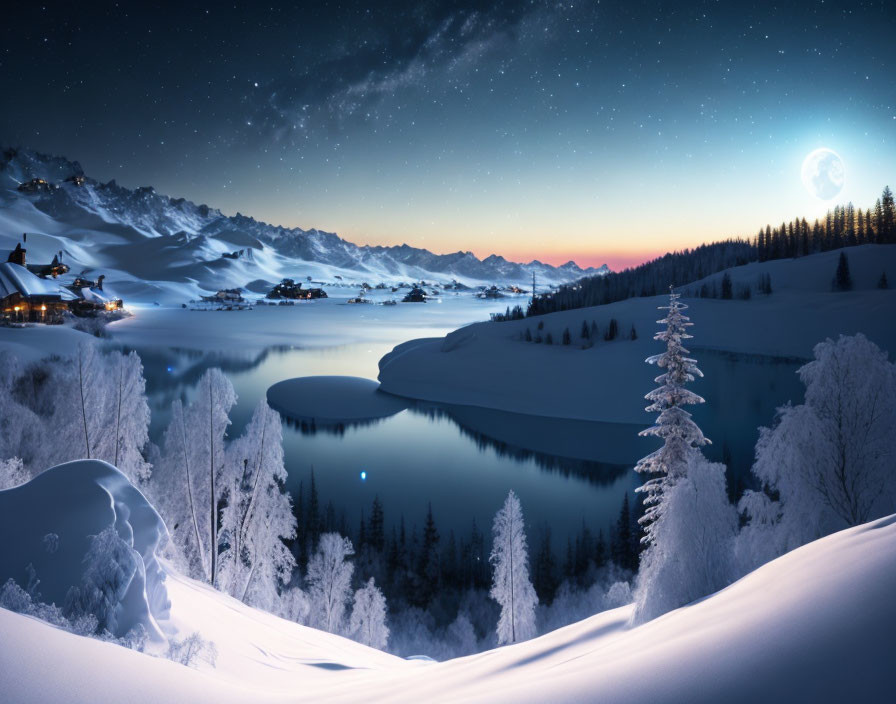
<point>594,131</point>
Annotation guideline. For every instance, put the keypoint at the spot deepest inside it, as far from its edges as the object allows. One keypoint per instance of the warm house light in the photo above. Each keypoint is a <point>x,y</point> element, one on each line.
<point>16,309</point>
<point>43,308</point>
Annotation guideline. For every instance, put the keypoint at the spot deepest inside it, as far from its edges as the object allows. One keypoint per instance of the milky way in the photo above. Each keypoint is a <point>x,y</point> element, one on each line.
<point>577,129</point>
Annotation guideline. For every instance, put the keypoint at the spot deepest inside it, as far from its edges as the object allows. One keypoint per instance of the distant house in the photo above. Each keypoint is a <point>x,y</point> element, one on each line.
<point>77,179</point>
<point>492,292</point>
<point>288,288</point>
<point>36,185</point>
<point>25,297</point>
<point>416,295</point>
<point>226,295</point>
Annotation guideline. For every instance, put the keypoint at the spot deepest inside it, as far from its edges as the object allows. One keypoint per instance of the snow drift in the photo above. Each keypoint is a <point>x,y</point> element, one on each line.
<point>49,524</point>
<point>813,625</point>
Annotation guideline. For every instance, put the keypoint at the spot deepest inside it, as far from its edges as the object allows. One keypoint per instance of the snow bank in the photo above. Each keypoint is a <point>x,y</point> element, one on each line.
<point>48,524</point>
<point>813,625</point>
<point>333,399</point>
<point>491,366</point>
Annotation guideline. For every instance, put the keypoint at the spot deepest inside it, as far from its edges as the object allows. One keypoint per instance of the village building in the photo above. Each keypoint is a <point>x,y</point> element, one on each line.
<point>492,292</point>
<point>226,295</point>
<point>288,288</point>
<point>25,297</point>
<point>416,295</point>
<point>36,185</point>
<point>53,269</point>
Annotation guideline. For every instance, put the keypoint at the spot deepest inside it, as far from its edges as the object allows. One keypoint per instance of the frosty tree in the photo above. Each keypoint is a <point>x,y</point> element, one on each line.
<point>368,621</point>
<point>109,568</point>
<point>689,523</point>
<point>21,429</point>
<point>190,480</point>
<point>329,581</point>
<point>511,587</point>
<point>694,528</point>
<point>127,429</point>
<point>82,400</point>
<point>12,473</point>
<point>258,516</point>
<point>674,426</point>
<point>830,460</point>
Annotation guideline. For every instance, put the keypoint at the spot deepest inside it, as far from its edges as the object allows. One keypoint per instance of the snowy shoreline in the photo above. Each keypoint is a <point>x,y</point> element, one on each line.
<point>489,365</point>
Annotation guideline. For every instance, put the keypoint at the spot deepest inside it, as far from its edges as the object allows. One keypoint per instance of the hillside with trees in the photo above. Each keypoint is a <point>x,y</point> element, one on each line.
<point>844,226</point>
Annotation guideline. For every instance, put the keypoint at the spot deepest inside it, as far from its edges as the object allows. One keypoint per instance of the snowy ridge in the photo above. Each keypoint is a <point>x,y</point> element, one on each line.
<point>180,246</point>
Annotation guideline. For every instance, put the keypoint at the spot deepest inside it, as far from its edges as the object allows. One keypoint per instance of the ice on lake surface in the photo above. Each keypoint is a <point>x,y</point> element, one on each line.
<point>461,459</point>
<point>332,400</point>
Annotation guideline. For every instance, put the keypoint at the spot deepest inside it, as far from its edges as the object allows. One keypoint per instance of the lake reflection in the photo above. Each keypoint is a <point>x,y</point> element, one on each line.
<point>463,459</point>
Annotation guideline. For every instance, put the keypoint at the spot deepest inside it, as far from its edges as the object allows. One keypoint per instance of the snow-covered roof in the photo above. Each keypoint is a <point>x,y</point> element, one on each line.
<point>17,279</point>
<point>94,295</point>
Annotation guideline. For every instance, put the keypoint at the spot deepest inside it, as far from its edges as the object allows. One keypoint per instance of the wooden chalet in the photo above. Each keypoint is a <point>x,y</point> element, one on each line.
<point>25,297</point>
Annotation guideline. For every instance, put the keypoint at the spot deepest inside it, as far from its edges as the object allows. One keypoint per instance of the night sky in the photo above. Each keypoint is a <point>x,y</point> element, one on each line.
<point>606,131</point>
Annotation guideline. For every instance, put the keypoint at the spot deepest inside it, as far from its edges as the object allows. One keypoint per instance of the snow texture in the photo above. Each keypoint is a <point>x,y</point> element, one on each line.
<point>75,502</point>
<point>813,625</point>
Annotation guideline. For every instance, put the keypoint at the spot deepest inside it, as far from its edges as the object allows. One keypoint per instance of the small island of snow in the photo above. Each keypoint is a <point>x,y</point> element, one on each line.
<point>333,399</point>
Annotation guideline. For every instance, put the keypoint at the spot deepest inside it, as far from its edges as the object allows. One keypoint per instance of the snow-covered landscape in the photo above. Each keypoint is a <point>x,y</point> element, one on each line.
<point>447,352</point>
<point>832,603</point>
<point>157,248</point>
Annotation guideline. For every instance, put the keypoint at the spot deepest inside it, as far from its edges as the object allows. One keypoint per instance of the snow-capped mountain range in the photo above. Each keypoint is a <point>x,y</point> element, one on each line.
<point>152,244</point>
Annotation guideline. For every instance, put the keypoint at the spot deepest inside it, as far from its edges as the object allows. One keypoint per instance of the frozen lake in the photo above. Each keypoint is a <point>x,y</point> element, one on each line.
<point>461,459</point>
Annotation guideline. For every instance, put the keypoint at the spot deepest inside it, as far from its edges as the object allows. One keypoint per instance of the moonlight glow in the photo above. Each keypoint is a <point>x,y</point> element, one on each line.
<point>823,174</point>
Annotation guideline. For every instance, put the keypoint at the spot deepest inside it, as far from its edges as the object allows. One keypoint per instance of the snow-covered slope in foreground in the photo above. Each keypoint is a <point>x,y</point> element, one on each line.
<point>815,625</point>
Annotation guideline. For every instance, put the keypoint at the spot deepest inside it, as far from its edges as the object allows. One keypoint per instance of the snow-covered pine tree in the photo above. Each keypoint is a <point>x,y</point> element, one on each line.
<point>689,523</point>
<point>329,581</point>
<point>511,587</point>
<point>674,425</point>
<point>258,516</point>
<point>368,621</point>
<point>694,535</point>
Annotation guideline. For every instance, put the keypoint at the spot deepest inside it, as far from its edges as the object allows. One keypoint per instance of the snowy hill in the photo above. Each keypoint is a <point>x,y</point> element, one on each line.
<point>490,365</point>
<point>813,625</point>
<point>152,246</point>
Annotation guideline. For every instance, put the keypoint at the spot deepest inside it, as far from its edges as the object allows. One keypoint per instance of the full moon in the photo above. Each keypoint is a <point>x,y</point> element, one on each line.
<point>823,173</point>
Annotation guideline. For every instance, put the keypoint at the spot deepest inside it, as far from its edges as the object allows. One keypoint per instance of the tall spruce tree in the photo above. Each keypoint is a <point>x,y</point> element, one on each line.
<point>674,425</point>
<point>690,524</point>
<point>843,279</point>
